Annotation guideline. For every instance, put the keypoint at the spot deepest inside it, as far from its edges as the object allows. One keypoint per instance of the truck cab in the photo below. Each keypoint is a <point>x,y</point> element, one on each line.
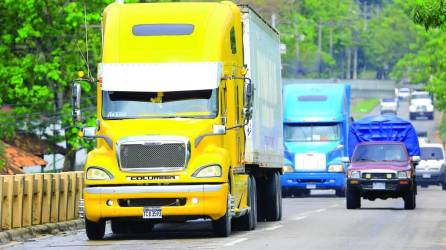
<point>421,105</point>
<point>189,124</point>
<point>316,121</point>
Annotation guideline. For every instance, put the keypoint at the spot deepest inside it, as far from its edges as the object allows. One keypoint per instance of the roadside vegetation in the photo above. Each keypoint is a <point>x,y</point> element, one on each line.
<point>365,106</point>
<point>43,45</point>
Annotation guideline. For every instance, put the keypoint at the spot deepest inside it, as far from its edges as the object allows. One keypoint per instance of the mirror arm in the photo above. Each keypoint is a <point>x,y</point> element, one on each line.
<point>106,139</point>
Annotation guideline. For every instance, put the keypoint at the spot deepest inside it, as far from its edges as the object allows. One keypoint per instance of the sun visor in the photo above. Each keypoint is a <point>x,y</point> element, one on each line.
<point>160,77</point>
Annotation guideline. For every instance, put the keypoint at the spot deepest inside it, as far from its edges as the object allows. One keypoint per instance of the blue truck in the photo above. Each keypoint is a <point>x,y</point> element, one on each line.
<point>316,122</point>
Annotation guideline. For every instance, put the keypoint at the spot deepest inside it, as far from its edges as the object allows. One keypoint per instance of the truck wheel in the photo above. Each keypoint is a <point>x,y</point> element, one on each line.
<point>249,221</point>
<point>340,192</point>
<point>222,226</point>
<point>140,227</point>
<point>353,199</point>
<point>119,227</point>
<point>273,202</point>
<point>443,185</point>
<point>410,200</point>
<point>95,230</point>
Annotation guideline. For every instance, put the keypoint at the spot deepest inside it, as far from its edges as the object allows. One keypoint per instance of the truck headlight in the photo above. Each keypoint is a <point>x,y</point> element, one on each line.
<point>429,108</point>
<point>97,173</point>
<point>355,174</point>
<point>404,174</point>
<point>287,169</point>
<point>412,108</point>
<point>208,171</point>
<point>336,168</point>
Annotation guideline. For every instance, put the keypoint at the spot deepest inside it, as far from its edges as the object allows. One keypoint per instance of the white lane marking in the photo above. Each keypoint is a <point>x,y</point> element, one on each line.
<point>273,228</point>
<point>229,244</point>
<point>320,210</point>
<point>300,218</point>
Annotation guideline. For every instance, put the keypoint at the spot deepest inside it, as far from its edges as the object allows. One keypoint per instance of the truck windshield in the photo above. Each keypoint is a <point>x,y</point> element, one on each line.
<point>431,153</point>
<point>311,132</point>
<point>380,153</point>
<point>133,105</point>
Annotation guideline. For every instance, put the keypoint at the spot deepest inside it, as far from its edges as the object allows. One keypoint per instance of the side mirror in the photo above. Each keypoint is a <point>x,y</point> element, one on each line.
<point>345,159</point>
<point>89,132</point>
<point>76,101</point>
<point>219,129</point>
<point>416,159</point>
<point>248,95</point>
<point>340,146</point>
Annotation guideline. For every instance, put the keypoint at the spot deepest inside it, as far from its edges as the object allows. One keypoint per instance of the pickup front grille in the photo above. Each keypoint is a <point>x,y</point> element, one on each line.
<point>152,156</point>
<point>379,176</point>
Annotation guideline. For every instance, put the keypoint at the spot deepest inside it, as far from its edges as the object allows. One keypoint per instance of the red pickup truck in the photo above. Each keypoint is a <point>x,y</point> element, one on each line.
<point>383,153</point>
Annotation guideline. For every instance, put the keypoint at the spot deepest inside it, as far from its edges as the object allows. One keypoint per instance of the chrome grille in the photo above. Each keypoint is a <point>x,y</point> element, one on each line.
<point>152,155</point>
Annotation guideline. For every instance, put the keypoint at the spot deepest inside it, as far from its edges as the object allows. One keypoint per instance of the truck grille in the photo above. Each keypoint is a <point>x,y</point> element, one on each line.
<point>152,155</point>
<point>381,176</point>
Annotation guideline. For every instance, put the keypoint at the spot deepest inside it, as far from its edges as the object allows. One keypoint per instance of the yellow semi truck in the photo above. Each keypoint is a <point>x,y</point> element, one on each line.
<point>189,121</point>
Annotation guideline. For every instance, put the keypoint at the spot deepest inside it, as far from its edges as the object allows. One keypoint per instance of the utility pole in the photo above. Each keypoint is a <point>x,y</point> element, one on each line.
<point>319,49</point>
<point>297,49</point>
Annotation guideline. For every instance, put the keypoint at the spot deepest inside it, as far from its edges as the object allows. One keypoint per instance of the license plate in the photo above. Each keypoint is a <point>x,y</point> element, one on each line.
<point>311,186</point>
<point>426,175</point>
<point>152,213</point>
<point>379,186</point>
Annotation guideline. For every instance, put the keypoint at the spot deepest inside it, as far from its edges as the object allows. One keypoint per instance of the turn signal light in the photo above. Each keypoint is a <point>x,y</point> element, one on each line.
<point>404,182</point>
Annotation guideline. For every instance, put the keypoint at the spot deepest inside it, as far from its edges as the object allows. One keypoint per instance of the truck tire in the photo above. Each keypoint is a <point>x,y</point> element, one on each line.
<point>443,185</point>
<point>222,227</point>
<point>119,227</point>
<point>410,200</point>
<point>95,230</point>
<point>353,199</point>
<point>273,201</point>
<point>140,227</point>
<point>249,220</point>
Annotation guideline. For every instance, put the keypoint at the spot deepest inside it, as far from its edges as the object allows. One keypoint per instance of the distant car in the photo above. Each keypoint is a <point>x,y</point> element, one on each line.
<point>387,112</point>
<point>389,104</point>
<point>431,169</point>
<point>403,93</point>
<point>422,136</point>
<point>421,105</point>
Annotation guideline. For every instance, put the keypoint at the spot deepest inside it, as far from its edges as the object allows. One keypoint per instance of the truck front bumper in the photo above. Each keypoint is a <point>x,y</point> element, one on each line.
<point>423,114</point>
<point>430,177</point>
<point>203,200</point>
<point>325,180</point>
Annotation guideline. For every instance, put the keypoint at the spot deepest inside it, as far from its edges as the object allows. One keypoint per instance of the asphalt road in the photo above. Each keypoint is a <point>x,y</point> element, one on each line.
<point>320,221</point>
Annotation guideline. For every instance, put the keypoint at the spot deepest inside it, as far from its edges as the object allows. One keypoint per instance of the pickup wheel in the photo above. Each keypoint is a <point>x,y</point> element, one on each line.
<point>95,230</point>
<point>353,199</point>
<point>340,192</point>
<point>222,227</point>
<point>249,220</point>
<point>410,200</point>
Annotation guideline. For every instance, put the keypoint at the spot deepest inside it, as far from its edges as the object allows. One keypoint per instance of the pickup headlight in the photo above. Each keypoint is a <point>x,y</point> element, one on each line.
<point>287,169</point>
<point>404,174</point>
<point>336,168</point>
<point>208,171</point>
<point>354,174</point>
<point>97,173</point>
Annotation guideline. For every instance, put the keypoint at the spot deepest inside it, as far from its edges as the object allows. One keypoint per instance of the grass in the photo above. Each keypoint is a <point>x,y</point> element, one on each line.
<point>365,106</point>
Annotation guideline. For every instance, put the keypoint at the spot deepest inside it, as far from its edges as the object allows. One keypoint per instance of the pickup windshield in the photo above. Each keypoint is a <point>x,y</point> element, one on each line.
<point>380,153</point>
<point>311,132</point>
<point>431,153</point>
<point>133,105</point>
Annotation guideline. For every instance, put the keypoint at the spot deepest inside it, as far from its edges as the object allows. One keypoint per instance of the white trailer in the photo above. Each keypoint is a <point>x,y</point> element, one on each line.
<point>264,133</point>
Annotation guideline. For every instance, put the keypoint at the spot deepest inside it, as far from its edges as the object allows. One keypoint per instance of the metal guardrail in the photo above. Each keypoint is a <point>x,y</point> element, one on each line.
<point>34,199</point>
